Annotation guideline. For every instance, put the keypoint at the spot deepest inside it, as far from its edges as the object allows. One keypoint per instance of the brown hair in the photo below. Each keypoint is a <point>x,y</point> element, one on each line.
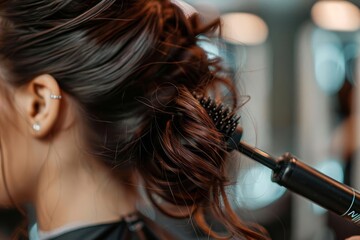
<point>133,67</point>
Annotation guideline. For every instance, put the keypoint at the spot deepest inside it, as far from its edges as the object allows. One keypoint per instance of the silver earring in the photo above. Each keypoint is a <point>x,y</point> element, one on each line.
<point>36,126</point>
<point>56,97</point>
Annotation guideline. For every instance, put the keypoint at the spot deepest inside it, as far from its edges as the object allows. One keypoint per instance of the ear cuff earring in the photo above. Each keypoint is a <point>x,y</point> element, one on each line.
<point>36,126</point>
<point>56,97</point>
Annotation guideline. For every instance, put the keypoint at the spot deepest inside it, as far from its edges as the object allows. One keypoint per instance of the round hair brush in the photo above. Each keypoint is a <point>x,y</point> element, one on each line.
<point>288,171</point>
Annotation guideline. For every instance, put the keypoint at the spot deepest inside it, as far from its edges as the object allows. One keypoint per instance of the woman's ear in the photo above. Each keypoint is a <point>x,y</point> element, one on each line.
<point>42,99</point>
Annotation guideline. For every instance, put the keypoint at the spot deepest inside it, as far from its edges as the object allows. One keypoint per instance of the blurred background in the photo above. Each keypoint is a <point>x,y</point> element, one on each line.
<point>297,67</point>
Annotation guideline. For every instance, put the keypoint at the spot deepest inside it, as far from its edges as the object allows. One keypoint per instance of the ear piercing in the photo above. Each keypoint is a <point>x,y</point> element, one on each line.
<point>36,126</point>
<point>56,97</point>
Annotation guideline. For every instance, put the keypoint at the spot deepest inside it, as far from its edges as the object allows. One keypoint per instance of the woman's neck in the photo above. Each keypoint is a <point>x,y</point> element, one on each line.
<point>75,188</point>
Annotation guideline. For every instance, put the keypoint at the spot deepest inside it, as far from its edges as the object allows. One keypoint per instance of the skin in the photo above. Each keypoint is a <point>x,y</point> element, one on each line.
<point>51,168</point>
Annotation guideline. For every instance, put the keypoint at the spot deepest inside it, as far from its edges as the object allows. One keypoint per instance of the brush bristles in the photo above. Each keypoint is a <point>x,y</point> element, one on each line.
<point>225,120</point>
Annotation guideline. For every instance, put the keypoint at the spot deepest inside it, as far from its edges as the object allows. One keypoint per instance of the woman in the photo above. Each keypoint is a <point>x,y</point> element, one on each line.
<point>97,100</point>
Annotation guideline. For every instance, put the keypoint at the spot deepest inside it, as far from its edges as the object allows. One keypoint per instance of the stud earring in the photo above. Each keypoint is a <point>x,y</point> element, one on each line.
<point>36,126</point>
<point>56,97</point>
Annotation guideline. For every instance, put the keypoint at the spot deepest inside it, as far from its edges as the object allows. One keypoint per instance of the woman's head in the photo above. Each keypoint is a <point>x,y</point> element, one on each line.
<point>126,71</point>
<point>110,56</point>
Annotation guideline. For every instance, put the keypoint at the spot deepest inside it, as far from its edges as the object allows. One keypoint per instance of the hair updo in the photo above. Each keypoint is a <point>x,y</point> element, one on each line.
<point>132,66</point>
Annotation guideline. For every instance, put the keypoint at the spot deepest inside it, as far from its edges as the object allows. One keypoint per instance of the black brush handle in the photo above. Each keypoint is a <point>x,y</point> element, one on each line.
<point>308,182</point>
<point>258,155</point>
<point>317,187</point>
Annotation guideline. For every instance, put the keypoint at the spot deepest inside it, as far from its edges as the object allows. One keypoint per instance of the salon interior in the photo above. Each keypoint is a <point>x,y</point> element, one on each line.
<point>297,67</point>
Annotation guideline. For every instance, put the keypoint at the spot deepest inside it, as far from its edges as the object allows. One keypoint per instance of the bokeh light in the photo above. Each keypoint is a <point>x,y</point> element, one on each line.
<point>336,15</point>
<point>244,28</point>
<point>255,189</point>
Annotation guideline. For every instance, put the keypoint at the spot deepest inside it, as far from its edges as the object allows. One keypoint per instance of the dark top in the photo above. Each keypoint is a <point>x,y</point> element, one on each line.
<point>134,228</point>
